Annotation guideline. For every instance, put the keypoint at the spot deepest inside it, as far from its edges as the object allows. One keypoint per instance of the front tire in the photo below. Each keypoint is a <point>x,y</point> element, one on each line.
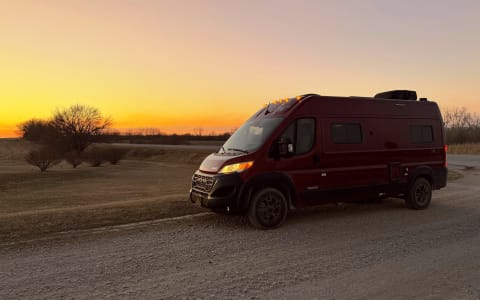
<point>268,208</point>
<point>419,195</point>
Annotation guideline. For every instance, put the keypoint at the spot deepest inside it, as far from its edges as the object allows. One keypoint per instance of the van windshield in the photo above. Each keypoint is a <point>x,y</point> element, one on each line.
<point>251,135</point>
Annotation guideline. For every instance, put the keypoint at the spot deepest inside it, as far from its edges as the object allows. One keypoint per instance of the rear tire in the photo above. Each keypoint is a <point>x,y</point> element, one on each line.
<point>268,208</point>
<point>419,195</point>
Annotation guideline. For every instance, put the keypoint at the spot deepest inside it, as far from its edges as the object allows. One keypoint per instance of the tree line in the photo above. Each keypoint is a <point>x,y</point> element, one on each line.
<point>461,126</point>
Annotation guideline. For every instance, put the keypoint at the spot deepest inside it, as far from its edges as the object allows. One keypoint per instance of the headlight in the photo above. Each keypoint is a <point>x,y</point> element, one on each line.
<point>238,167</point>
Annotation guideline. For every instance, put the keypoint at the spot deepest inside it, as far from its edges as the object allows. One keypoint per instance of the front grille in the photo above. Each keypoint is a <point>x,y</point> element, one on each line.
<point>202,183</point>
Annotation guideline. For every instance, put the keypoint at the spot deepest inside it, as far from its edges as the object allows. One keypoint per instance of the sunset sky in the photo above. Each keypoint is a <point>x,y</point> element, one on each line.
<point>178,65</point>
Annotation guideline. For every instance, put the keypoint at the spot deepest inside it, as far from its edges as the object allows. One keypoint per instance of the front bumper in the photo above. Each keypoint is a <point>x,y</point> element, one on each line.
<point>218,192</point>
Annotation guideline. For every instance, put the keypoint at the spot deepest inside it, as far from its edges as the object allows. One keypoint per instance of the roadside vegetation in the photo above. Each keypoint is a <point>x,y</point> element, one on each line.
<point>148,184</point>
<point>66,135</point>
<point>462,131</point>
<point>462,126</point>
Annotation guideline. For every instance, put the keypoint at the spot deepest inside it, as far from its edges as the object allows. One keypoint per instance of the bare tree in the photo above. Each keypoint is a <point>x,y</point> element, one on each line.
<point>79,124</point>
<point>198,131</point>
<point>95,156</point>
<point>115,154</point>
<point>458,117</point>
<point>461,126</point>
<point>74,158</point>
<point>44,158</point>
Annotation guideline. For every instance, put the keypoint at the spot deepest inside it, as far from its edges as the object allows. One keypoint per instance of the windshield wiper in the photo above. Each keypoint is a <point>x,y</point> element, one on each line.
<point>238,150</point>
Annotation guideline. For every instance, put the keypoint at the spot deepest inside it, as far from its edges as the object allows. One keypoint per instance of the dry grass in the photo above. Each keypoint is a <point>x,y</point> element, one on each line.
<point>66,198</point>
<point>168,155</point>
<point>15,149</point>
<point>464,149</point>
<point>154,185</point>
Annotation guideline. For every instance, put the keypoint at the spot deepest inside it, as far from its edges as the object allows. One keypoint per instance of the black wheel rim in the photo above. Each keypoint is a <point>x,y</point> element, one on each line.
<point>422,194</point>
<point>270,208</point>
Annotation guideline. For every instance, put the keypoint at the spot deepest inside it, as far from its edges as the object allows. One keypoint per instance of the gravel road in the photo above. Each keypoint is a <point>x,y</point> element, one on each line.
<point>333,252</point>
<point>457,161</point>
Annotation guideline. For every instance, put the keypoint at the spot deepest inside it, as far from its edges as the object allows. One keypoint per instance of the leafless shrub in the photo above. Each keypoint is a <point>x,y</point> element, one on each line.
<point>74,158</point>
<point>115,154</point>
<point>95,156</point>
<point>44,158</point>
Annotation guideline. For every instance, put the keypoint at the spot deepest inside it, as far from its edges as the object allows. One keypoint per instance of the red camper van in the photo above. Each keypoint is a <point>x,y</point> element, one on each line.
<point>314,149</point>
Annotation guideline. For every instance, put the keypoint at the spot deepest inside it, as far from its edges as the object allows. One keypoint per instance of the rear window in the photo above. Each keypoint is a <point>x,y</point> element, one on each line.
<point>346,133</point>
<point>421,134</point>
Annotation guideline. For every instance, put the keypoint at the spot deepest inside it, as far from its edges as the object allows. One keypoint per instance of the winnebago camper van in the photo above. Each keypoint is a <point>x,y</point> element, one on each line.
<point>314,149</point>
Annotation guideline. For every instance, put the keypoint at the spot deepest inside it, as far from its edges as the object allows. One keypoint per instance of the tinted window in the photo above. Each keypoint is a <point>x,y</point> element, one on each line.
<point>420,134</point>
<point>302,134</point>
<point>305,135</point>
<point>346,133</point>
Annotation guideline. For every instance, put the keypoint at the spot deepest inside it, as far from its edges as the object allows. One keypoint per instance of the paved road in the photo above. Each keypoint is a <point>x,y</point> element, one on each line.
<point>334,252</point>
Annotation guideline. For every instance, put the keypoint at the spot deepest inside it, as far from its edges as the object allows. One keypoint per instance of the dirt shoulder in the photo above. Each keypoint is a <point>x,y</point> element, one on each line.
<point>36,223</point>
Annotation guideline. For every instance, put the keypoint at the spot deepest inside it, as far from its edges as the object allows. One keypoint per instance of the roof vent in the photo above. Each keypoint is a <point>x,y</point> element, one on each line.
<point>397,95</point>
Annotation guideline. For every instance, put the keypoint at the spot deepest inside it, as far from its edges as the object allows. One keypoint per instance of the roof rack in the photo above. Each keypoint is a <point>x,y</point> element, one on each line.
<point>397,95</point>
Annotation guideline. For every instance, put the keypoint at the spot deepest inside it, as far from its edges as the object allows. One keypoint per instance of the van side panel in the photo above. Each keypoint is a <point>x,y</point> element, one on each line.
<point>387,159</point>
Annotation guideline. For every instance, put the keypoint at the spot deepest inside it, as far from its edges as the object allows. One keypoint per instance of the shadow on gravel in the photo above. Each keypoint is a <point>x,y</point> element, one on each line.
<point>341,209</point>
<point>320,212</point>
<point>390,209</point>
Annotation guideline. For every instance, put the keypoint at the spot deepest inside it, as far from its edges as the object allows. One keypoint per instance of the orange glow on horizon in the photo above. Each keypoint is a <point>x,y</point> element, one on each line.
<point>180,65</point>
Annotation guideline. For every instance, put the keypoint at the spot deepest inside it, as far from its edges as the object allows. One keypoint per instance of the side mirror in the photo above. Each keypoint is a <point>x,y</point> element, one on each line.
<point>285,147</point>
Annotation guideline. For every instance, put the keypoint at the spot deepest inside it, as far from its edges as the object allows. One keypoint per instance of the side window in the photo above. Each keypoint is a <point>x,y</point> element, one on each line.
<point>305,135</point>
<point>289,133</point>
<point>421,134</point>
<point>302,134</point>
<point>346,133</point>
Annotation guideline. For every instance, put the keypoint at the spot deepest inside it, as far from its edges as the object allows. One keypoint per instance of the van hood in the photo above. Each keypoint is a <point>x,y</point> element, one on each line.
<point>213,163</point>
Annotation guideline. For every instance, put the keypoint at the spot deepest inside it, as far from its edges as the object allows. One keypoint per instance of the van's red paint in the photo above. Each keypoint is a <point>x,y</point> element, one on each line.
<point>385,162</point>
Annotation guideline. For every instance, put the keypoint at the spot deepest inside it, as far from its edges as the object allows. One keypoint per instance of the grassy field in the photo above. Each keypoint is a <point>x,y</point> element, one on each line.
<point>464,149</point>
<point>149,184</point>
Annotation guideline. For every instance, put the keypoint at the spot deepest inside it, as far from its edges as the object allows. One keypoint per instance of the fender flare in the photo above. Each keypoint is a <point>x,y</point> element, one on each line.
<point>423,171</point>
<point>277,180</point>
